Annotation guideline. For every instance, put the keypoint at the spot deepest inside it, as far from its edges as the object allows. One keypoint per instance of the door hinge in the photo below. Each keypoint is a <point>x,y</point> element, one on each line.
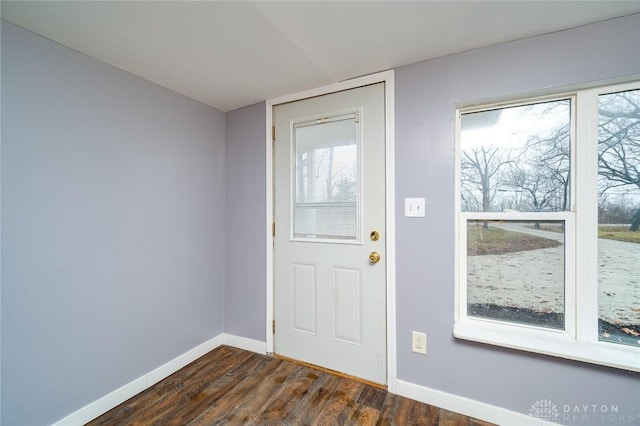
<point>273,229</point>
<point>273,133</point>
<point>273,326</point>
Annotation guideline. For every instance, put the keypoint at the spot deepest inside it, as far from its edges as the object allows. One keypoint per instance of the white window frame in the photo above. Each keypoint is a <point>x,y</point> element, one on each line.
<point>579,340</point>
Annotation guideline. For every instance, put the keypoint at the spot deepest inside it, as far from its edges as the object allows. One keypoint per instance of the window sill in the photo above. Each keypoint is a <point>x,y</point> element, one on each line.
<point>548,342</point>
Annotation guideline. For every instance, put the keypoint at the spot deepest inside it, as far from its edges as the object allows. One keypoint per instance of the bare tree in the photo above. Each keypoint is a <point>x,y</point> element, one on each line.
<point>482,169</point>
<point>540,187</point>
<point>619,144</point>
<point>531,167</point>
<point>543,170</point>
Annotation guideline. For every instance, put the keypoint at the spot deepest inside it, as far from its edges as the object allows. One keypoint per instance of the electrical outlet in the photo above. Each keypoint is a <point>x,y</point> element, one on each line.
<point>419,342</point>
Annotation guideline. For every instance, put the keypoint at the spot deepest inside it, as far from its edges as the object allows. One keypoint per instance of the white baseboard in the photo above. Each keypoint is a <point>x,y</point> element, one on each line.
<point>120,395</point>
<point>466,406</point>
<point>244,343</point>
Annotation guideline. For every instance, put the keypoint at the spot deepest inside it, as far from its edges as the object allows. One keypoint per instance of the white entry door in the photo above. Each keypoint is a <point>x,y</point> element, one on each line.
<point>329,253</point>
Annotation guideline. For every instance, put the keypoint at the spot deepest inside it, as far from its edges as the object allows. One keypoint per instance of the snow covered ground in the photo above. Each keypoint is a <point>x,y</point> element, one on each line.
<point>535,279</point>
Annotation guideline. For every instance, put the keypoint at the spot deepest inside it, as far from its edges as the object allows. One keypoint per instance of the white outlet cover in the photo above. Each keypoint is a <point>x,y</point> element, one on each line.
<point>414,207</point>
<point>419,342</point>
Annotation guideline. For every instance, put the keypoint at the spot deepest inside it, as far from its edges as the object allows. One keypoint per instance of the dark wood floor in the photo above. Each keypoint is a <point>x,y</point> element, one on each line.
<point>233,386</point>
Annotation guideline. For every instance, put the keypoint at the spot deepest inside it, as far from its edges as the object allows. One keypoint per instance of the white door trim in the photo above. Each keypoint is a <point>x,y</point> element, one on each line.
<point>388,78</point>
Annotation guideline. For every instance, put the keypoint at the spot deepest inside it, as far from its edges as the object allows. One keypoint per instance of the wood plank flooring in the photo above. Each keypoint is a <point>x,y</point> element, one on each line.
<point>230,386</point>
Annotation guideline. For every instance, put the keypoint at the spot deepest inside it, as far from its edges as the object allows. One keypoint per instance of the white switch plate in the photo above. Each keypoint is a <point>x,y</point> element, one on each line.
<point>419,342</point>
<point>414,207</point>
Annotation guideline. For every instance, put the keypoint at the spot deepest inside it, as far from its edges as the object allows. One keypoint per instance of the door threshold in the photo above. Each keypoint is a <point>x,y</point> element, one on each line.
<point>334,372</point>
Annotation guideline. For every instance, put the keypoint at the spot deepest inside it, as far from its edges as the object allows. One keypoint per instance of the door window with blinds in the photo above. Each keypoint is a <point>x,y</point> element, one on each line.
<point>326,178</point>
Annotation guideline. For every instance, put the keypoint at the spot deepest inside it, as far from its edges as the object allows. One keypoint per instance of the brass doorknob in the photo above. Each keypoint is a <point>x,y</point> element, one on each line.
<point>375,235</point>
<point>374,257</point>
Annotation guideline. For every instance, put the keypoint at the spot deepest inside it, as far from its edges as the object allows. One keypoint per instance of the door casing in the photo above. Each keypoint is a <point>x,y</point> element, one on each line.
<point>388,78</point>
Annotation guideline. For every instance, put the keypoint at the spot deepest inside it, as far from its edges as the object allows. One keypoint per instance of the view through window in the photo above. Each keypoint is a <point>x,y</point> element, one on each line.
<point>619,217</point>
<point>326,178</point>
<point>517,159</point>
<point>549,225</point>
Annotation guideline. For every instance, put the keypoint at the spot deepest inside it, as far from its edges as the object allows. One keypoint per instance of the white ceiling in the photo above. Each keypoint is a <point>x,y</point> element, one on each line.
<point>229,54</point>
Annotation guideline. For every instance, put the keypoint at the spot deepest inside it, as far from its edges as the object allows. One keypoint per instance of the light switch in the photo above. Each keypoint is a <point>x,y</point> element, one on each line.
<point>414,207</point>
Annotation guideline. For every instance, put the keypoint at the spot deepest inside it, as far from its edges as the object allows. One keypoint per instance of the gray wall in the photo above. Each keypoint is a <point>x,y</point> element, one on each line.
<point>425,98</point>
<point>245,267</point>
<point>114,233</point>
<point>113,227</point>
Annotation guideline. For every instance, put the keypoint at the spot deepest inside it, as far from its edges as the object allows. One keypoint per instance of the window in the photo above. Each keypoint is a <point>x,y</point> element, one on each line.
<point>327,173</point>
<point>619,217</point>
<point>548,225</point>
